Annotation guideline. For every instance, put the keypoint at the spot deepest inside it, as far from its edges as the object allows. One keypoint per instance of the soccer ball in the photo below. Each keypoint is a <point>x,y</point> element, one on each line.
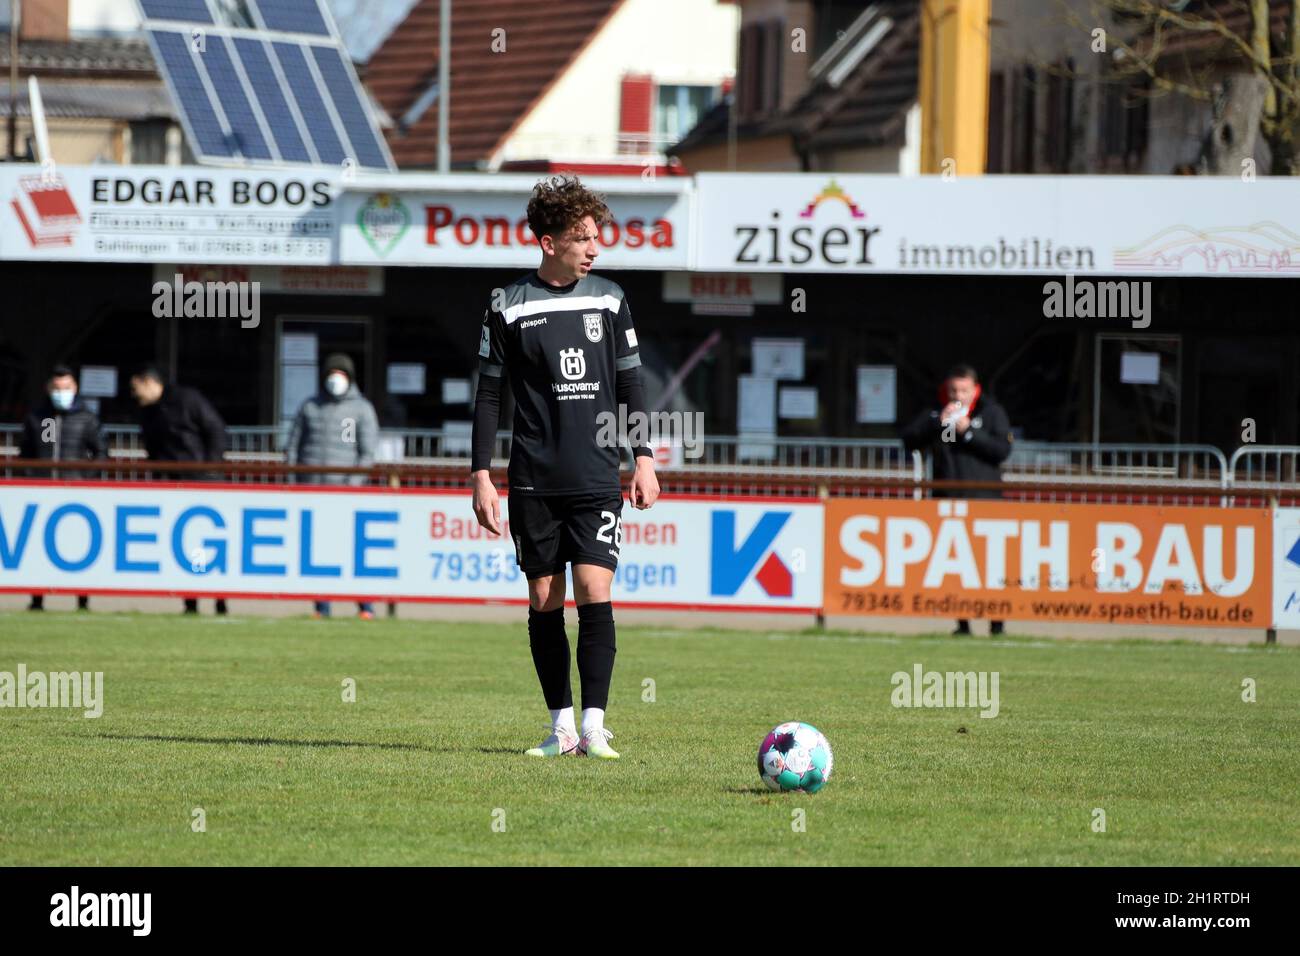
<point>795,756</point>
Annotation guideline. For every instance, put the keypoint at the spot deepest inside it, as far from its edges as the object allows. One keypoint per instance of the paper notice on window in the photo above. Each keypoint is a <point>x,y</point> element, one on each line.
<point>455,391</point>
<point>877,393</point>
<point>406,378</point>
<point>98,381</point>
<point>756,402</point>
<point>779,358</point>
<point>298,348</point>
<point>297,384</point>
<point>798,403</point>
<point>1139,368</point>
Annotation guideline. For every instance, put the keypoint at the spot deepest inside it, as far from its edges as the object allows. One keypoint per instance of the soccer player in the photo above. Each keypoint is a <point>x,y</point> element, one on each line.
<point>565,340</point>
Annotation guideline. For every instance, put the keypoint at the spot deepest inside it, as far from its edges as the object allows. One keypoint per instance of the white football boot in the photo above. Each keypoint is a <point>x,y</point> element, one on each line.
<point>593,745</point>
<point>562,742</point>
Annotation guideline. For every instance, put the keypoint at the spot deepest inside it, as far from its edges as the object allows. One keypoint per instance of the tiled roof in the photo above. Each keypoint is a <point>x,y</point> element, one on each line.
<point>98,55</point>
<point>871,105</point>
<point>104,99</point>
<point>491,92</point>
<point>868,107</point>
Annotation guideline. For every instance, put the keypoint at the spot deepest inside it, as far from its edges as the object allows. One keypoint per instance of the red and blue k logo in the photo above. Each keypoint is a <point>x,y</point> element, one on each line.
<point>732,564</point>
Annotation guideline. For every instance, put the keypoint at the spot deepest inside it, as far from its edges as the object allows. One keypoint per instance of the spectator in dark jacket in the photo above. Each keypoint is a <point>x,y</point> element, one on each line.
<point>968,436</point>
<point>178,424</point>
<point>61,428</point>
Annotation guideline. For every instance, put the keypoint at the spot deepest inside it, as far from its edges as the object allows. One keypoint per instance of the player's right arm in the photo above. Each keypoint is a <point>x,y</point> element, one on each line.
<point>487,415</point>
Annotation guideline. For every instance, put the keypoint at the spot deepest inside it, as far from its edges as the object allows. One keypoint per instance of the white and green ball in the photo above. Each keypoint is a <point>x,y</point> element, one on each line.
<point>795,756</point>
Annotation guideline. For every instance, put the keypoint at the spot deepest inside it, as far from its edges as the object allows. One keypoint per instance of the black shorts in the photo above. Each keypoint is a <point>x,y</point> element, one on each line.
<point>551,531</point>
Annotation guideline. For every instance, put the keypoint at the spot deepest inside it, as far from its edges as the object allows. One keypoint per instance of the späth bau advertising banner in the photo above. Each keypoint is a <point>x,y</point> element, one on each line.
<point>224,540</point>
<point>1117,564</point>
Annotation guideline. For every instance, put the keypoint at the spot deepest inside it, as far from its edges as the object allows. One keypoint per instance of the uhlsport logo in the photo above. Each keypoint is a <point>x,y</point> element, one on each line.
<point>572,365</point>
<point>733,563</point>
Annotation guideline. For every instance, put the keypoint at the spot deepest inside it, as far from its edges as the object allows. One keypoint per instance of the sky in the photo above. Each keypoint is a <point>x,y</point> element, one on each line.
<point>365,24</point>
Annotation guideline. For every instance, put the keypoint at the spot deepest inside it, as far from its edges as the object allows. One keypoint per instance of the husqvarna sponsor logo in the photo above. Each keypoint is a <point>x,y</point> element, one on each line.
<point>572,364</point>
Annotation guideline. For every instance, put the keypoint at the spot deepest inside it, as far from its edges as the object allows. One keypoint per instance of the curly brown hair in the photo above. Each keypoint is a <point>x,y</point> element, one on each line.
<point>561,202</point>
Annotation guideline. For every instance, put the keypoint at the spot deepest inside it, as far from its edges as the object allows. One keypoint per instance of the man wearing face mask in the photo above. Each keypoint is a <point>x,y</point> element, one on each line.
<point>337,427</point>
<point>61,428</point>
<point>969,436</point>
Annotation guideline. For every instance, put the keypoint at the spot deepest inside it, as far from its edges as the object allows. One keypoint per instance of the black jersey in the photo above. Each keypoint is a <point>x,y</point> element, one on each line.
<point>561,348</point>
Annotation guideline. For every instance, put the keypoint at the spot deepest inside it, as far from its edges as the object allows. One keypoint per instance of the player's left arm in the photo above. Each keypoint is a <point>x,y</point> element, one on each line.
<point>630,393</point>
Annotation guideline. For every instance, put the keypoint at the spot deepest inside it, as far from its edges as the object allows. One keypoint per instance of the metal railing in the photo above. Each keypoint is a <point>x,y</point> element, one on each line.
<point>1255,470</point>
<point>265,443</point>
<point>672,482</point>
<point>1177,474</point>
<point>774,466</point>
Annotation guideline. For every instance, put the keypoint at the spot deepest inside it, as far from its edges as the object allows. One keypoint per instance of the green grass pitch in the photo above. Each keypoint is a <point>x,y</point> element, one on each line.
<point>245,719</point>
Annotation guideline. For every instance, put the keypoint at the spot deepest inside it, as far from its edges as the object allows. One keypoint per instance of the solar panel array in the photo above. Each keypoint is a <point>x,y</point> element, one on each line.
<point>194,11</point>
<point>279,91</point>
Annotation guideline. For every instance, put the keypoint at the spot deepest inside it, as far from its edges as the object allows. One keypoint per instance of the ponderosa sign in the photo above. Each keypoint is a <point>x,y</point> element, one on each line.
<point>443,225</point>
<point>649,227</point>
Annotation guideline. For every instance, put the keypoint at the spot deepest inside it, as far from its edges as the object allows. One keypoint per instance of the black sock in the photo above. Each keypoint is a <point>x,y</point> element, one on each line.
<point>595,652</point>
<point>550,649</point>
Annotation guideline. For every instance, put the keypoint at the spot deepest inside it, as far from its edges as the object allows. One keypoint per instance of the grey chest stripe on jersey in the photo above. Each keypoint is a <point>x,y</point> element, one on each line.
<point>512,313</point>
